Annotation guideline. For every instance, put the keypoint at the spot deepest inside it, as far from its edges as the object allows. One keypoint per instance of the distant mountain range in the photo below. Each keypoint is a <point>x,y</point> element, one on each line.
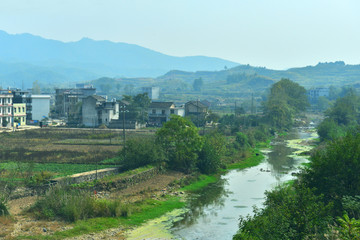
<point>25,57</point>
<point>323,74</point>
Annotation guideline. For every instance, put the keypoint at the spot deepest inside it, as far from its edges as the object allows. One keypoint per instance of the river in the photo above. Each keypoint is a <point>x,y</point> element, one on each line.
<point>213,212</point>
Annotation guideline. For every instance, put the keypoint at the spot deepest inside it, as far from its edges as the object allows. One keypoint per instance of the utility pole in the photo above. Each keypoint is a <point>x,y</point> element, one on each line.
<point>123,110</point>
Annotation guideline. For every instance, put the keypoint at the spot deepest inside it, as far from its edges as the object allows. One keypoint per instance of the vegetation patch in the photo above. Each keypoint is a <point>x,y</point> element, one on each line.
<point>255,159</point>
<point>203,181</point>
<point>57,169</point>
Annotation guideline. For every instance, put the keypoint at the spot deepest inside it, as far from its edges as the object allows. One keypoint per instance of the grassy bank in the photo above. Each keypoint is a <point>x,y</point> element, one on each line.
<point>142,212</point>
<point>255,159</point>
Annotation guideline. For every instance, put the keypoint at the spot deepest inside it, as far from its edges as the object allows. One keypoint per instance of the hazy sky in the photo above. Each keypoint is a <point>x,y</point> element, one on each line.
<point>276,34</point>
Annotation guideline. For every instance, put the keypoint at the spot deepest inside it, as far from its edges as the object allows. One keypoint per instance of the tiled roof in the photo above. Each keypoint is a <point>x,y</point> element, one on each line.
<point>98,98</point>
<point>161,104</point>
<point>197,104</point>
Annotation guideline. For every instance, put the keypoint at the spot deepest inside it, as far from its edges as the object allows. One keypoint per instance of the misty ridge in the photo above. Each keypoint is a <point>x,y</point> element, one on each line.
<point>25,58</point>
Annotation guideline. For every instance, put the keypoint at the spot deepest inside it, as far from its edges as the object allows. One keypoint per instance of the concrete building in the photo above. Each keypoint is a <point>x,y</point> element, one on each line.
<point>160,112</point>
<point>96,111</point>
<point>39,107</point>
<point>66,99</point>
<point>6,105</point>
<point>314,94</point>
<point>19,113</point>
<point>195,108</point>
<point>153,92</point>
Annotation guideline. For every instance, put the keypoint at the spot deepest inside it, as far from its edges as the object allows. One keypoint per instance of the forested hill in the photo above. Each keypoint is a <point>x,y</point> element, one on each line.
<point>323,74</point>
<point>27,58</point>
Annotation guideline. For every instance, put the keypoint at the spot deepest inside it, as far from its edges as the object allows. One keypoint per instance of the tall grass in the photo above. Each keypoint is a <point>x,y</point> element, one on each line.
<point>73,204</point>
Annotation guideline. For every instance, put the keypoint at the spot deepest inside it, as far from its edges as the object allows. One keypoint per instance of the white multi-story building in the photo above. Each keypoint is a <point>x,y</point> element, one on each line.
<point>6,105</point>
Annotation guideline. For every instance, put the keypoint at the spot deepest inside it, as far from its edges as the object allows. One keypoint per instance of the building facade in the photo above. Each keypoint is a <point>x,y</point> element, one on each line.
<point>160,112</point>
<point>19,114</point>
<point>66,99</point>
<point>6,105</point>
<point>152,92</point>
<point>96,111</point>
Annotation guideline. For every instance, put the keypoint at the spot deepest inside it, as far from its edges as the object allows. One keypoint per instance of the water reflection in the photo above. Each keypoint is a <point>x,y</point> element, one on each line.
<point>214,195</point>
<point>214,211</point>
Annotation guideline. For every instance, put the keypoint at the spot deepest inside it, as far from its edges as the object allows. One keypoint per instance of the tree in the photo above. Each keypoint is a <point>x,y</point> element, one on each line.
<point>140,152</point>
<point>286,99</point>
<point>211,152</point>
<point>137,108</point>
<point>181,142</point>
<point>345,109</point>
<point>198,83</point>
<point>36,87</point>
<point>334,169</point>
<point>289,213</point>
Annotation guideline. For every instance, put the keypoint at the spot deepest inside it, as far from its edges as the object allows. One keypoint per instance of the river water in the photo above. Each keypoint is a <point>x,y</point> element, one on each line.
<point>213,212</point>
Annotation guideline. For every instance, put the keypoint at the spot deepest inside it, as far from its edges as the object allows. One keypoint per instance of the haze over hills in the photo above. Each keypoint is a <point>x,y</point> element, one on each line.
<point>323,74</point>
<point>25,57</point>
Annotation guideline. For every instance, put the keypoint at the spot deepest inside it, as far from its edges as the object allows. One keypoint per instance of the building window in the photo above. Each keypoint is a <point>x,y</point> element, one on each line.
<point>23,108</point>
<point>172,111</point>
<point>154,111</point>
<point>14,110</point>
<point>163,112</point>
<point>9,110</point>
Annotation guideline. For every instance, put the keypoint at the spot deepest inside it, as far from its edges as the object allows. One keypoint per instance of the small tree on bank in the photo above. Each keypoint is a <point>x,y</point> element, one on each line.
<point>181,143</point>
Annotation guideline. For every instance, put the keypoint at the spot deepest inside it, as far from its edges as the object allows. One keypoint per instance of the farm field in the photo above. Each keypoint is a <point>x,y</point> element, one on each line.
<point>60,152</point>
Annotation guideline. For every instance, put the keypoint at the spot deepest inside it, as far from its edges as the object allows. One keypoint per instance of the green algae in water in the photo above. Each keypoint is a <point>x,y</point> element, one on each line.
<point>158,228</point>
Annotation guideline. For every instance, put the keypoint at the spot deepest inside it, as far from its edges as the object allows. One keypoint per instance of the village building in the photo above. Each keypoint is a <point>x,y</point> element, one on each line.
<point>152,92</point>
<point>195,108</point>
<point>68,100</point>
<point>97,111</point>
<point>160,112</point>
<point>19,114</point>
<point>6,104</point>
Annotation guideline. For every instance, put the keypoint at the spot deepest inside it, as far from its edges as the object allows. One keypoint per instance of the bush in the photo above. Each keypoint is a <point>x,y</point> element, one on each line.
<point>209,160</point>
<point>140,152</point>
<point>3,208</point>
<point>73,204</point>
<point>242,140</point>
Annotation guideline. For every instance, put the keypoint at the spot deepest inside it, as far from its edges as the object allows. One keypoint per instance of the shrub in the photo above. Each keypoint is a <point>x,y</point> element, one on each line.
<point>242,140</point>
<point>3,208</point>
<point>140,152</point>
<point>74,204</point>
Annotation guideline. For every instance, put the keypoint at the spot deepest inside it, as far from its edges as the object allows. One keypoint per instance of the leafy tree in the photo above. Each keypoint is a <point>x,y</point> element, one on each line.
<point>242,140</point>
<point>286,99</point>
<point>349,228</point>
<point>289,213</point>
<point>334,169</point>
<point>328,129</point>
<point>211,152</point>
<point>137,108</point>
<point>181,142</point>
<point>140,152</point>
<point>345,110</point>
<point>198,83</point>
